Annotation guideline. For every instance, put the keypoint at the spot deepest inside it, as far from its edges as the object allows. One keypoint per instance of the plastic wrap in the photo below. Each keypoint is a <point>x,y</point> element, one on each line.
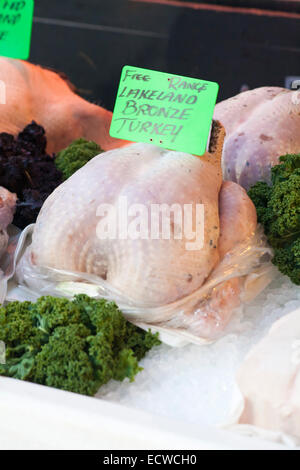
<point>198,318</point>
<point>16,242</point>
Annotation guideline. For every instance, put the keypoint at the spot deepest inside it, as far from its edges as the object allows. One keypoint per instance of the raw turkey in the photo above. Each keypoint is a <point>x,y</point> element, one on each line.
<point>7,209</point>
<point>34,93</point>
<point>269,379</point>
<point>160,280</point>
<point>261,125</point>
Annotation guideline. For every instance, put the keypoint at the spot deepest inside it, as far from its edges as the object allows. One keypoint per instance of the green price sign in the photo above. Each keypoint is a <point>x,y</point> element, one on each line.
<point>15,28</point>
<point>166,110</point>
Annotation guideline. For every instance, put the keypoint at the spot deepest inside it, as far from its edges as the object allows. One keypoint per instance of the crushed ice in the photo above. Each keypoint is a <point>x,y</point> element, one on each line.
<point>197,383</point>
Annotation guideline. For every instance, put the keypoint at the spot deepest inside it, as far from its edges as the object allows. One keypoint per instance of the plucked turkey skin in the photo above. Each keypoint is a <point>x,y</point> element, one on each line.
<point>36,93</point>
<point>149,272</point>
<point>7,210</point>
<point>261,125</point>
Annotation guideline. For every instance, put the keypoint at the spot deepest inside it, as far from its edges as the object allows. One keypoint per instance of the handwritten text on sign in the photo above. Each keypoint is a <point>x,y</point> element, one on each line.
<point>15,28</point>
<point>167,110</point>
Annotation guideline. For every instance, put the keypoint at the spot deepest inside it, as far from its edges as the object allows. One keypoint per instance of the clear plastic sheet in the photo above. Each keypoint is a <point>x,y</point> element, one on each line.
<point>10,257</point>
<point>180,322</point>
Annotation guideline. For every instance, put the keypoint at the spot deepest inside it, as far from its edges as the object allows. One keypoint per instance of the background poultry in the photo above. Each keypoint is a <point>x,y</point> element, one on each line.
<point>7,209</point>
<point>35,93</point>
<point>261,125</point>
<point>269,379</point>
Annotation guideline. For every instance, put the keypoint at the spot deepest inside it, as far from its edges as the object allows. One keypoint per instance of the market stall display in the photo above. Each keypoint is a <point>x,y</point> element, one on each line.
<point>180,293</point>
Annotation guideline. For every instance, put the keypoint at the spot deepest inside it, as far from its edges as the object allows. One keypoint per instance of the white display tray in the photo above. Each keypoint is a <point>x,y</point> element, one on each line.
<point>37,417</point>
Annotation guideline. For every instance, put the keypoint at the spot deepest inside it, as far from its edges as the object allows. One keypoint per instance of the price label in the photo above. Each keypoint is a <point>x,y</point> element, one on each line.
<point>15,28</point>
<point>167,110</point>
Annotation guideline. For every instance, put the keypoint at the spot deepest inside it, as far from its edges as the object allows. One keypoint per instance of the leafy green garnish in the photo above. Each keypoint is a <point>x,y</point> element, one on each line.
<point>75,156</point>
<point>278,210</point>
<point>74,345</point>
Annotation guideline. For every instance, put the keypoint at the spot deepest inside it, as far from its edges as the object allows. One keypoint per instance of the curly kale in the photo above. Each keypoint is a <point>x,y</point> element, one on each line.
<point>75,156</point>
<point>64,362</point>
<point>74,345</point>
<point>278,210</point>
<point>288,261</point>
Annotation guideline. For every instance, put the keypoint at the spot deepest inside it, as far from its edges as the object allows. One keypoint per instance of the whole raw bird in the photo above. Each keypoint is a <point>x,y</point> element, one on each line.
<point>269,379</point>
<point>261,125</point>
<point>153,273</point>
<point>35,93</point>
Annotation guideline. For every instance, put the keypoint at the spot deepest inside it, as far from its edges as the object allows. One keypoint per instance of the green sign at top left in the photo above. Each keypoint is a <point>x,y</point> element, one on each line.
<point>15,28</point>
